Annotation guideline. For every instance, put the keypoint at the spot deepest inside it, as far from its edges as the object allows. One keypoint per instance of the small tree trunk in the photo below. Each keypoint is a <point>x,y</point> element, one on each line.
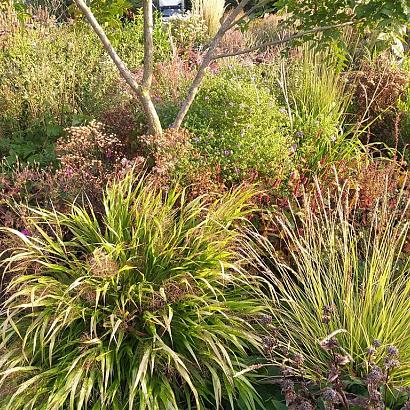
<point>154,123</point>
<point>142,92</point>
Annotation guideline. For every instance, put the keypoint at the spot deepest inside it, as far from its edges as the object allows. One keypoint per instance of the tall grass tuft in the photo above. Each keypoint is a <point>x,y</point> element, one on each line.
<point>317,101</point>
<point>142,307</point>
<point>211,11</point>
<point>343,282</point>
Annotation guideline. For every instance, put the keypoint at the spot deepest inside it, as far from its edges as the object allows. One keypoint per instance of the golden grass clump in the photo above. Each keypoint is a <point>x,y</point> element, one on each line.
<point>212,12</point>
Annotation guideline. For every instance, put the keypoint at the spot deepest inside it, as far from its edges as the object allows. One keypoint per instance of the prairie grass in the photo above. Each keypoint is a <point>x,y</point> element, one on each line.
<point>317,101</point>
<point>361,275</point>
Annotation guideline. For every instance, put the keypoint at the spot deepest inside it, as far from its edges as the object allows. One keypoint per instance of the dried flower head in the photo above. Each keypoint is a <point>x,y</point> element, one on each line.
<point>392,350</point>
<point>334,373</point>
<point>288,390</point>
<point>287,385</point>
<point>342,360</point>
<point>298,359</point>
<point>304,405</point>
<point>269,343</point>
<point>391,363</point>
<point>371,351</point>
<point>328,313</point>
<point>102,265</point>
<point>287,371</point>
<point>329,344</point>
<point>266,320</point>
<point>376,376</point>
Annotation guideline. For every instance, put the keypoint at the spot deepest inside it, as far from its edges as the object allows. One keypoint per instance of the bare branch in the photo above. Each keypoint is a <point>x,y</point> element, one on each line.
<point>148,44</point>
<point>284,40</point>
<point>208,57</point>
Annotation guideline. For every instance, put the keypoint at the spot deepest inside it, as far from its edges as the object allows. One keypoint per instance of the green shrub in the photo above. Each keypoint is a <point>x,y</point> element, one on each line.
<point>342,284</point>
<point>128,40</point>
<point>144,306</point>
<point>264,121</point>
<point>238,128</point>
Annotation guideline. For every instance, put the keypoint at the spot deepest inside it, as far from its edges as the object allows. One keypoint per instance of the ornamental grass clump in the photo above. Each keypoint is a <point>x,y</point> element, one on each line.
<point>342,284</point>
<point>211,11</point>
<point>144,307</point>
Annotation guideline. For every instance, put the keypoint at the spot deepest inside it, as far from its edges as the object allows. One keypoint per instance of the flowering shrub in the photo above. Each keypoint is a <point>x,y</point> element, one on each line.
<point>188,30</point>
<point>90,151</point>
<point>239,129</point>
<point>166,154</point>
<point>122,121</point>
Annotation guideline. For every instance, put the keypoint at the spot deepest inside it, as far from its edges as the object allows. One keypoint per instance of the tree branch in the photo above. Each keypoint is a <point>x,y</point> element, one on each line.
<point>142,92</point>
<point>208,57</point>
<point>248,13</point>
<point>148,44</point>
<point>283,40</point>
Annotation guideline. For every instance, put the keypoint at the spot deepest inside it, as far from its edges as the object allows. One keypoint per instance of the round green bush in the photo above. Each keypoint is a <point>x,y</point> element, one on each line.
<point>240,129</point>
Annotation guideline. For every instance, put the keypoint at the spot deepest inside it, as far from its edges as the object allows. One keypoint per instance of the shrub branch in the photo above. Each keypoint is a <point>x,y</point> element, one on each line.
<point>284,40</point>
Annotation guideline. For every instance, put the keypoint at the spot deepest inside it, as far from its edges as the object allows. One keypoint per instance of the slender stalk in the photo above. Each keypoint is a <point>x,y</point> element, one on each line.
<point>148,44</point>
